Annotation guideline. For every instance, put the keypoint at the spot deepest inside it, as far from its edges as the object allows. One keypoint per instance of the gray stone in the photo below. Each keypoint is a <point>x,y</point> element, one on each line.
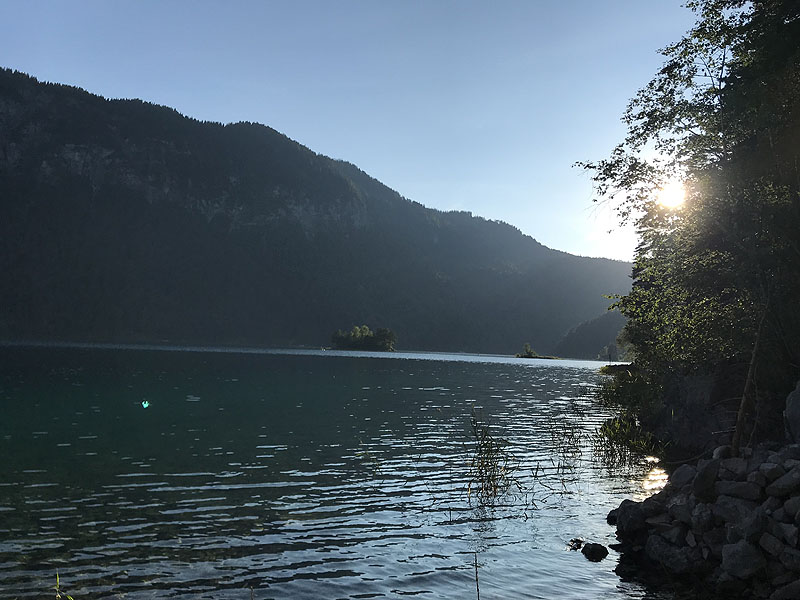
<point>733,468</point>
<point>742,559</point>
<point>675,535</point>
<point>679,561</point>
<point>732,510</point>
<point>771,504</point>
<point>792,505</point>
<point>788,533</point>
<point>702,518</point>
<point>772,470</point>
<point>791,463</point>
<point>789,451</point>
<point>786,484</point>
<point>790,558</point>
<point>681,513</point>
<point>771,544</point>
<point>787,592</point>
<point>715,539</point>
<point>682,476</point>
<point>738,489</point>
<point>791,415</point>
<point>690,539</point>
<point>723,452</point>
<point>594,552</point>
<point>630,519</point>
<point>703,484</point>
<point>758,478</point>
<point>780,515</point>
<point>753,525</point>
<point>660,522</point>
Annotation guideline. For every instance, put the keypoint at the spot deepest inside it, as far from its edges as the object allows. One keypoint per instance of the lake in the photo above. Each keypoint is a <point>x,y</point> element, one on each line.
<point>141,472</point>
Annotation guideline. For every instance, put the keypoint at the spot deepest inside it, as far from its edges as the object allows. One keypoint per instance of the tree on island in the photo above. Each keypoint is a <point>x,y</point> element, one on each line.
<point>362,338</point>
<point>717,277</point>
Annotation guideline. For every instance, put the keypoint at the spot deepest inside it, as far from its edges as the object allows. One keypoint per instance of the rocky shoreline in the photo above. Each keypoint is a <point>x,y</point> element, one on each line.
<point>726,526</point>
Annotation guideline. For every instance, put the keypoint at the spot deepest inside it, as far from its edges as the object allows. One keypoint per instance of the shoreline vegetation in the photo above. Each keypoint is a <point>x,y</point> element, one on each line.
<point>363,338</point>
<point>528,352</point>
<point>712,325</point>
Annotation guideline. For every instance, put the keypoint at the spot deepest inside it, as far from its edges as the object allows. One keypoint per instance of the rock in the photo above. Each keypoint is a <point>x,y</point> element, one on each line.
<point>675,535</point>
<point>594,552</point>
<point>790,558</point>
<point>660,522</point>
<point>758,478</point>
<point>575,544</point>
<point>790,463</point>
<point>630,519</point>
<point>679,561</point>
<point>742,559</point>
<point>703,484</point>
<point>790,451</point>
<point>732,510</point>
<point>714,540</point>
<point>788,533</point>
<point>690,539</point>
<point>786,484</point>
<point>771,544</point>
<point>791,415</point>
<point>611,517</point>
<point>792,505</point>
<point>682,476</point>
<point>787,592</point>
<point>681,513</point>
<point>738,489</point>
<point>753,525</point>
<point>772,470</point>
<point>733,468</point>
<point>702,518</point>
<point>771,504</point>
<point>723,452</point>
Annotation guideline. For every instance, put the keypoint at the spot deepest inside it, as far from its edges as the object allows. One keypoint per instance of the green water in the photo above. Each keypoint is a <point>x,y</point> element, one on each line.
<point>297,475</point>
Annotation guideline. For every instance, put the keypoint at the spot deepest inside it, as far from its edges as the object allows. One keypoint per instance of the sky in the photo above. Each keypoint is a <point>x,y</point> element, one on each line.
<point>456,104</point>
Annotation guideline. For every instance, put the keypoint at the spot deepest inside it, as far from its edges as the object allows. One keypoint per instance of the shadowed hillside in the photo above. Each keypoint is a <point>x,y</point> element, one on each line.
<point>125,221</point>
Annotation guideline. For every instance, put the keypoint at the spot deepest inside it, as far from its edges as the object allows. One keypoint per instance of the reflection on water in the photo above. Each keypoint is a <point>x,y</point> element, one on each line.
<point>150,474</point>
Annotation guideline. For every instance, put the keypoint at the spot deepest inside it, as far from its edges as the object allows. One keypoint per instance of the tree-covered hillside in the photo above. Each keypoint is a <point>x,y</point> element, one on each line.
<point>125,221</point>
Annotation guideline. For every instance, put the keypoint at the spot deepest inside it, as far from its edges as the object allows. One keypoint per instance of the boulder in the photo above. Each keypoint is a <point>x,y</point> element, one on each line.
<point>732,510</point>
<point>703,484</point>
<point>791,415</point>
<point>738,489</point>
<point>771,544</point>
<point>682,476</point>
<point>790,558</point>
<point>787,592</point>
<point>786,484</point>
<point>733,468</point>
<point>594,552</point>
<point>742,559</point>
<point>678,561</point>
<point>771,470</point>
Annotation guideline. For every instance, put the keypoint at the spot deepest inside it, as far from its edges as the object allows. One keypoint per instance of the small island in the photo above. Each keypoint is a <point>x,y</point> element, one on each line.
<point>528,352</point>
<point>362,338</point>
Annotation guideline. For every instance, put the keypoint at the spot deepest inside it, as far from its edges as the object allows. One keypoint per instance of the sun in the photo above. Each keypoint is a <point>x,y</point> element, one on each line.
<point>672,194</point>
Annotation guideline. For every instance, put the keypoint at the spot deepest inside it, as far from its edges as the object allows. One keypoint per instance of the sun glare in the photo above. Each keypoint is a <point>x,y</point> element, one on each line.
<point>672,195</point>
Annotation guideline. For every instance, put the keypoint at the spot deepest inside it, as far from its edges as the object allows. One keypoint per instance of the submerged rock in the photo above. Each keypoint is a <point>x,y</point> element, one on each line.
<point>594,552</point>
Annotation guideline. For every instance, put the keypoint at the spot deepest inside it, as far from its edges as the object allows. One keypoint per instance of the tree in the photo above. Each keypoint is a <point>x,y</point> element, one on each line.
<point>716,281</point>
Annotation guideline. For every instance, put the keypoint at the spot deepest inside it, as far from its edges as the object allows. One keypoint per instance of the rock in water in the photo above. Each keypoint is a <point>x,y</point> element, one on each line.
<point>594,552</point>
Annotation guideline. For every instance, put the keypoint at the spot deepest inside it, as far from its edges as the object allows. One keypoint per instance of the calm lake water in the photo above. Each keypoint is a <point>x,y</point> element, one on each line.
<point>141,473</point>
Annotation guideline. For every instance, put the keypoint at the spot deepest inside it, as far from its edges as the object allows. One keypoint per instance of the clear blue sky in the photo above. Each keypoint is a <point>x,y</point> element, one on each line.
<point>478,106</point>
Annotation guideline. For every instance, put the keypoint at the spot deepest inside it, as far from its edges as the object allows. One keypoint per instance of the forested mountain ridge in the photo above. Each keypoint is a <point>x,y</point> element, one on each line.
<point>125,221</point>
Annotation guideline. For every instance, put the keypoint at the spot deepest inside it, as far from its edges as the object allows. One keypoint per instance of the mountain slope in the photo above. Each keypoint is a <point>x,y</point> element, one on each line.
<point>125,221</point>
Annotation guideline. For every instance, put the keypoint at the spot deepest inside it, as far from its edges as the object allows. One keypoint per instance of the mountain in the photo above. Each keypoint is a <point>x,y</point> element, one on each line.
<point>126,221</point>
<point>596,337</point>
